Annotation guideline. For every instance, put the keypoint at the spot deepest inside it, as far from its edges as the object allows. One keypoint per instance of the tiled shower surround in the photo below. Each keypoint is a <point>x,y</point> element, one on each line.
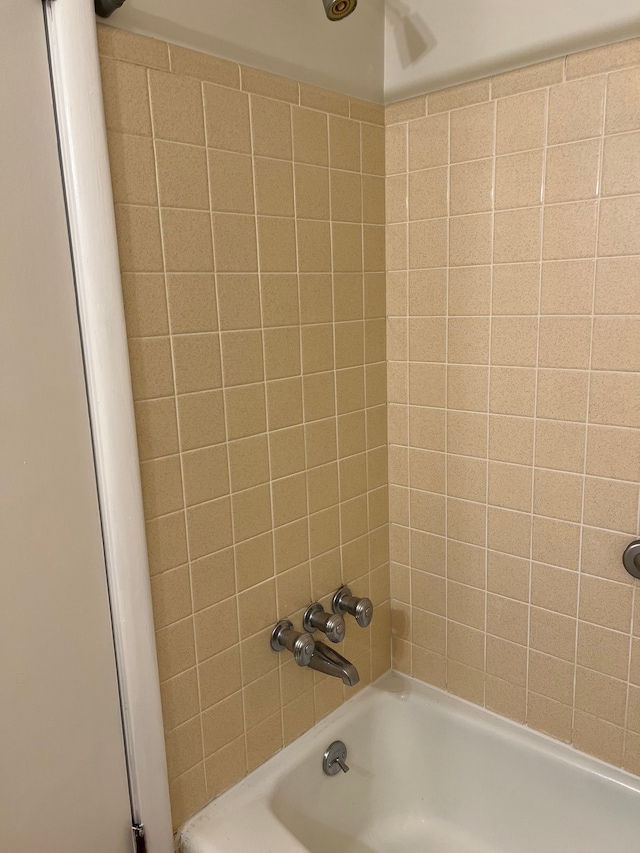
<point>250,215</point>
<point>251,218</point>
<point>513,293</point>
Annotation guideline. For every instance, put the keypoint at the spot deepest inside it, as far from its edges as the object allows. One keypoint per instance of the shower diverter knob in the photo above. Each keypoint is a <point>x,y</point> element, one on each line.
<point>360,608</point>
<point>332,624</point>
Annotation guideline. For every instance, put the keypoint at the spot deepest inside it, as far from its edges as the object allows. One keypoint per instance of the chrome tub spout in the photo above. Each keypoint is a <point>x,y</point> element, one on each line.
<point>328,661</point>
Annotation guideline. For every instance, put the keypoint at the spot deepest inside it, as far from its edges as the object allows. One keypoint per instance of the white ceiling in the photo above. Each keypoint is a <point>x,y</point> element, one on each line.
<point>289,37</point>
<point>388,49</point>
<point>430,44</point>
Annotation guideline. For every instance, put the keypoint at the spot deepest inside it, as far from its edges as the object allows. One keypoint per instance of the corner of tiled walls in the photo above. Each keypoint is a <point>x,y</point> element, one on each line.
<point>250,214</point>
<point>513,282</point>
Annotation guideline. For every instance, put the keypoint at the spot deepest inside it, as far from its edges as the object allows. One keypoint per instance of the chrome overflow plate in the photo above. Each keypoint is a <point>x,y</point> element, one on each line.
<point>335,759</point>
<point>631,558</point>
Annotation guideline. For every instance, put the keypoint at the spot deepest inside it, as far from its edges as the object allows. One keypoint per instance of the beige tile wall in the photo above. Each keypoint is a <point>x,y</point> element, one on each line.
<point>251,219</point>
<point>513,259</point>
<point>250,214</point>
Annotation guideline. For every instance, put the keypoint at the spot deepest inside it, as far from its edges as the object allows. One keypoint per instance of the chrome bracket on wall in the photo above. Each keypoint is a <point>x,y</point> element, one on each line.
<point>105,8</point>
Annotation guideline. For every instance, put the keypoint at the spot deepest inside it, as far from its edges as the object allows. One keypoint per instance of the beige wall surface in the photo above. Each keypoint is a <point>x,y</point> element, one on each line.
<point>250,213</point>
<point>513,259</point>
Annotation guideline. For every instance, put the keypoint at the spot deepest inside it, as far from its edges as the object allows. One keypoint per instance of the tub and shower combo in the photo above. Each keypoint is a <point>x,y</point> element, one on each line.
<point>406,768</point>
<point>402,767</point>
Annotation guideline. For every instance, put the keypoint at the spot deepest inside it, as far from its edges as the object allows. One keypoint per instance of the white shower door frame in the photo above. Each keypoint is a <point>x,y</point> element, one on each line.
<point>75,71</point>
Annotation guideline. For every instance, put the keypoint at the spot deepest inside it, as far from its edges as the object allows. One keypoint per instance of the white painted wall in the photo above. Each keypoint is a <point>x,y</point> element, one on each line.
<point>430,44</point>
<point>288,37</point>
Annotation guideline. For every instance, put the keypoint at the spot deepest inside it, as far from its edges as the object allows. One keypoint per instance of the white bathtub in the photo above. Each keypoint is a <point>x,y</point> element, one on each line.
<point>429,774</point>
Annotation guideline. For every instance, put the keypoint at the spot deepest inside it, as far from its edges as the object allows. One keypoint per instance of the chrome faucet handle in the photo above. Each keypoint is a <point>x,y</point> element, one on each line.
<point>361,608</point>
<point>332,624</point>
<point>284,637</point>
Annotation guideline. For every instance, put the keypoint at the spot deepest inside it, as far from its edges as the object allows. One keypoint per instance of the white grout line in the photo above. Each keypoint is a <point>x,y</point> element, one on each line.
<point>330,167</point>
<point>537,368</point>
<point>302,395</point>
<point>263,383</point>
<point>364,372</point>
<point>488,399</point>
<point>587,416</point>
<point>446,415</point>
<point>407,406</point>
<point>178,430</point>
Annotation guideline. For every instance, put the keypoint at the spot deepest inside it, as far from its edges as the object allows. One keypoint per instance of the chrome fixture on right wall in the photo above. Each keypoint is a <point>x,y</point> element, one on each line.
<point>631,558</point>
